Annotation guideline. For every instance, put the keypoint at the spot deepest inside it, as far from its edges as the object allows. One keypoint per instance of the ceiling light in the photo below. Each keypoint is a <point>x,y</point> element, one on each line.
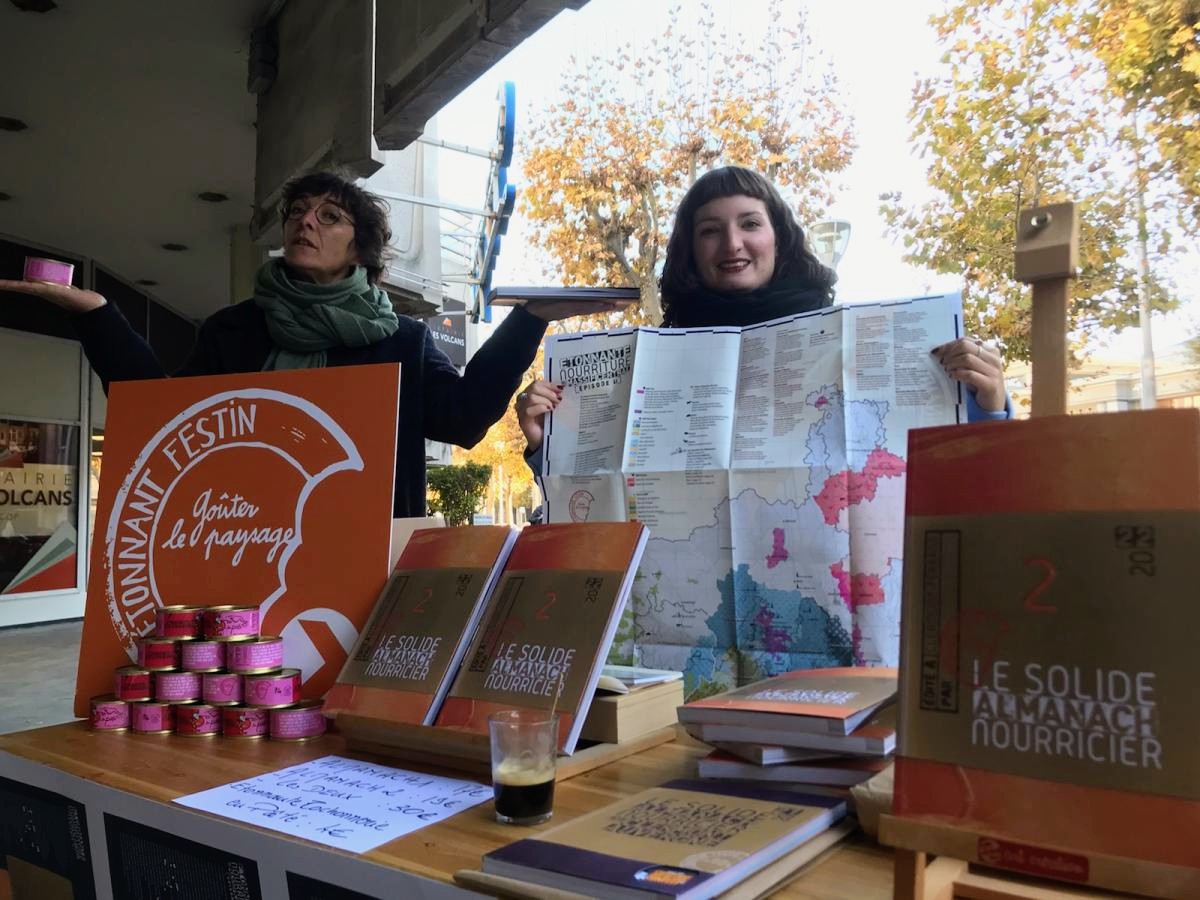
<point>174,248</point>
<point>39,6</point>
<point>212,197</point>
<point>9,124</point>
<point>4,196</point>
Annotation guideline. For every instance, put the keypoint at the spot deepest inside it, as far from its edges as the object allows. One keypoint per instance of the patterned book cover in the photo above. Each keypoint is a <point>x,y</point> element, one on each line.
<point>411,647</point>
<point>549,622</point>
<point>1049,630</point>
<point>687,838</point>
<point>834,700</point>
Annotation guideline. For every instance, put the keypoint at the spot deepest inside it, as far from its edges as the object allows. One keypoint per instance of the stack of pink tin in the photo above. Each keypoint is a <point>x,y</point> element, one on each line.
<point>208,671</point>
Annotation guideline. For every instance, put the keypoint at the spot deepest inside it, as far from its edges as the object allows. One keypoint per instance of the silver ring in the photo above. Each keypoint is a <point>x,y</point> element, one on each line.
<point>522,395</point>
<point>979,347</point>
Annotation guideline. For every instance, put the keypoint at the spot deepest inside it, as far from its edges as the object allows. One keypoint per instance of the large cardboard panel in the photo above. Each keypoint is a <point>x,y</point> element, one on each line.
<point>271,489</point>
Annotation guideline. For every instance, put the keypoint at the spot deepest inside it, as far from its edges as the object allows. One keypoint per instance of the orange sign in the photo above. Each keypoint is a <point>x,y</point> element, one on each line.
<point>271,489</point>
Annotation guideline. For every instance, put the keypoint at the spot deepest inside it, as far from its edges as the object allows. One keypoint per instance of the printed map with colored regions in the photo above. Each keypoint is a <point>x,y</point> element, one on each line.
<point>781,569</point>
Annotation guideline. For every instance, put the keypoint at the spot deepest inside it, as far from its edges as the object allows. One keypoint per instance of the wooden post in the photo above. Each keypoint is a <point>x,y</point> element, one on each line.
<point>1047,254</point>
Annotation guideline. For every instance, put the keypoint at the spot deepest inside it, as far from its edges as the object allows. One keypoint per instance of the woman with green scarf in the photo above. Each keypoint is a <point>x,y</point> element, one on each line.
<point>736,256</point>
<point>321,305</point>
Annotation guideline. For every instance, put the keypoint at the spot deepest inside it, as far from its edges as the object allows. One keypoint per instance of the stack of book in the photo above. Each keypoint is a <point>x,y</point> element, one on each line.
<point>820,730</point>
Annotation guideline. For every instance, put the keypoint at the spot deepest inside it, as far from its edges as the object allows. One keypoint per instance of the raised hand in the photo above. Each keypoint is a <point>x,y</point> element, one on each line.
<point>533,402</point>
<point>977,365</point>
<point>66,296</point>
<point>552,310</point>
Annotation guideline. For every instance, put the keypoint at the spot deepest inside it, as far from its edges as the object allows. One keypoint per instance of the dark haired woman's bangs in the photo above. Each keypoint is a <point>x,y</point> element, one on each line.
<point>724,182</point>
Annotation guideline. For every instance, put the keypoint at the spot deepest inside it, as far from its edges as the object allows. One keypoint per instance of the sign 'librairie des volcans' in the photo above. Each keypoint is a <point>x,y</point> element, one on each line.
<point>271,489</point>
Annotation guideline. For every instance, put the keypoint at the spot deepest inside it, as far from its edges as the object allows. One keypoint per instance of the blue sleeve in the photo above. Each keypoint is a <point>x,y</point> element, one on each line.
<point>976,413</point>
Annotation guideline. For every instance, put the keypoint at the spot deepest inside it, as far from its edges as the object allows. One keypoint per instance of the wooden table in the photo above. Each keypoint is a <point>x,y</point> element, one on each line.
<point>136,777</point>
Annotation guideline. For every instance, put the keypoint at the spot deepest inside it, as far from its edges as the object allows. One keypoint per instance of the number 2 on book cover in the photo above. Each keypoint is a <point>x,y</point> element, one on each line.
<point>543,613</point>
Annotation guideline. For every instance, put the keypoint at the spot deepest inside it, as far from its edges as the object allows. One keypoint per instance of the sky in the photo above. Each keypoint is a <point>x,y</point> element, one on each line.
<point>878,48</point>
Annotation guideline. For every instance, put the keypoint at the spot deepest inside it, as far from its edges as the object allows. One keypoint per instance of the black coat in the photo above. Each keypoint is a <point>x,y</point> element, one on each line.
<point>449,407</point>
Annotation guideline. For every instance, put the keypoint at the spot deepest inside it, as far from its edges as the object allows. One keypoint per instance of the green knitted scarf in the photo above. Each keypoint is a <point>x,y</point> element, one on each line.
<point>305,319</point>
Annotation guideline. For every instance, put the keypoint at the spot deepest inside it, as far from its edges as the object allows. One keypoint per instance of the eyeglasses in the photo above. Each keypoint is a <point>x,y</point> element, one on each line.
<point>328,214</point>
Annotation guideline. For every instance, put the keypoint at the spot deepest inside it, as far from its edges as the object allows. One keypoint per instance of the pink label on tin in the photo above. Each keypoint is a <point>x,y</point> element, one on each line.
<point>272,690</point>
<point>241,721</point>
<point>231,622</point>
<point>223,687</point>
<point>197,720</point>
<point>108,715</point>
<point>132,686</point>
<point>177,686</point>
<point>153,717</point>
<point>157,654</point>
<point>266,654</point>
<point>297,723</point>
<point>38,268</point>
<point>202,655</point>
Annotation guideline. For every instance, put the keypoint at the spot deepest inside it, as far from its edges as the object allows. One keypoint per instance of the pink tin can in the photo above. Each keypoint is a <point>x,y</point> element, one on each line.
<point>133,683</point>
<point>301,722</point>
<point>179,622</point>
<point>244,722</point>
<point>173,687</point>
<point>48,271</point>
<point>202,656</point>
<point>109,713</point>
<point>273,690</point>
<point>256,656</point>
<point>231,623</point>
<point>197,720</point>
<point>152,717</point>
<point>222,689</point>
<point>158,654</point>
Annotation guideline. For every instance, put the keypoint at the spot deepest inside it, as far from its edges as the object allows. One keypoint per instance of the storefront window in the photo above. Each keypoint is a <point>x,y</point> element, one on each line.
<point>39,497</point>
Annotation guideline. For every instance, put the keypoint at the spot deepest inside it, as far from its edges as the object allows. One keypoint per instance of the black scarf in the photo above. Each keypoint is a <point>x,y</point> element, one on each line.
<point>704,307</point>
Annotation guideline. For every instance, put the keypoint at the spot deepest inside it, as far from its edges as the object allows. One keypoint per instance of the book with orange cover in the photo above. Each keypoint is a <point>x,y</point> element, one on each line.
<point>831,701</point>
<point>264,489</point>
<point>1048,637</point>
<point>412,645</point>
<point>549,622</point>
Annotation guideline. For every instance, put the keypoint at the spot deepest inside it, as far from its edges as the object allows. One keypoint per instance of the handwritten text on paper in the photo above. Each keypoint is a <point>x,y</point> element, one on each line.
<point>344,803</point>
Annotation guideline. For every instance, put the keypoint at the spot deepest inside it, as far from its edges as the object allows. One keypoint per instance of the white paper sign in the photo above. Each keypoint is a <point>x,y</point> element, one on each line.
<point>344,803</point>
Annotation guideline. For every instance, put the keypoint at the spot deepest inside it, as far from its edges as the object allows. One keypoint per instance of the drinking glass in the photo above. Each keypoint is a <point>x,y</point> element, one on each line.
<point>524,745</point>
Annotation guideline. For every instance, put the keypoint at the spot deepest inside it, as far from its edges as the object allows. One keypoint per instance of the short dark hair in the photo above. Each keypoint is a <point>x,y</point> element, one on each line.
<point>369,212</point>
<point>793,259</point>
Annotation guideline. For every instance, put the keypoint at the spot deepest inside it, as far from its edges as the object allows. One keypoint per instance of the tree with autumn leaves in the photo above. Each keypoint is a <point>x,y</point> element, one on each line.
<point>1046,100</point>
<point>606,164</point>
<point>503,451</point>
<point>1039,100</point>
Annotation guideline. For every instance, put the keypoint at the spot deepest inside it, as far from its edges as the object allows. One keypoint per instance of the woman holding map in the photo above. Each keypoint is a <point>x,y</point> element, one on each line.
<point>321,305</point>
<point>736,256</point>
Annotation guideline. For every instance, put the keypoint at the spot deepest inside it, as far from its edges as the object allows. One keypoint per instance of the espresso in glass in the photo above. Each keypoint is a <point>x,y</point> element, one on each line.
<point>524,794</point>
<point>524,744</point>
